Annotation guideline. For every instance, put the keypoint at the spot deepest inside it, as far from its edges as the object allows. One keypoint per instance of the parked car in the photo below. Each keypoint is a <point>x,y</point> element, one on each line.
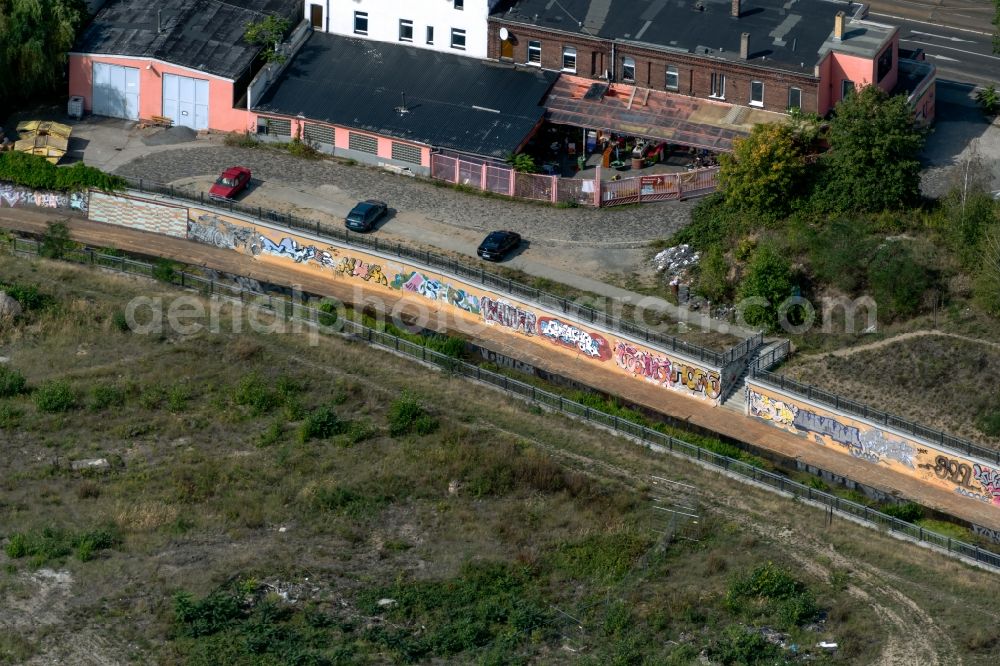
<point>498,245</point>
<point>364,216</point>
<point>232,181</point>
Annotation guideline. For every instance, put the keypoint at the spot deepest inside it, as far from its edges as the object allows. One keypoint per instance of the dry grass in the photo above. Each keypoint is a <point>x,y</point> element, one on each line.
<point>941,382</point>
<point>204,494</point>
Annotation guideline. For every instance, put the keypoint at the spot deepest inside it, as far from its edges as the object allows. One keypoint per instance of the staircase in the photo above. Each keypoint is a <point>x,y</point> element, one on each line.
<point>734,399</point>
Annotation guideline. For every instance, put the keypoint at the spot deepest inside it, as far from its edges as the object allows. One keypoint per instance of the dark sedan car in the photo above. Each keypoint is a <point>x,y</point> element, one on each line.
<point>498,245</point>
<point>364,216</point>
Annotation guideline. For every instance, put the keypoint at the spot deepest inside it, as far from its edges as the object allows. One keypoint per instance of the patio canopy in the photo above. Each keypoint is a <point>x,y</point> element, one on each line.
<point>651,114</point>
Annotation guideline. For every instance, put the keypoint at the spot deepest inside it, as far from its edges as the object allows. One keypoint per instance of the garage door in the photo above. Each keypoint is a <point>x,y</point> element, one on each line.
<point>116,91</point>
<point>185,100</point>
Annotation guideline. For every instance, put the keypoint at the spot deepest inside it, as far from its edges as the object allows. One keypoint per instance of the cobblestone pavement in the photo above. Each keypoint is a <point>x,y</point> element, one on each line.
<point>632,226</point>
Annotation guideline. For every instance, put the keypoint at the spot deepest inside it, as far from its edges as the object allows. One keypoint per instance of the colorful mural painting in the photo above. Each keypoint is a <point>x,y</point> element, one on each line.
<point>473,303</point>
<point>568,335</point>
<point>15,195</point>
<point>866,441</point>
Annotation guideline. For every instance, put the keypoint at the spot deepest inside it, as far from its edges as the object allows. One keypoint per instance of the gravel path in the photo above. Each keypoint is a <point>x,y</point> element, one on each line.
<point>630,226</point>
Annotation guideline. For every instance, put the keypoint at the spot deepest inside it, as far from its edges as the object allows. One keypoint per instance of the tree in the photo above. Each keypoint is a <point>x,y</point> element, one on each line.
<point>764,170</point>
<point>872,164</point>
<point>522,162</point>
<point>986,288</point>
<point>769,277</point>
<point>713,280</point>
<point>268,32</point>
<point>897,280</point>
<point>34,38</point>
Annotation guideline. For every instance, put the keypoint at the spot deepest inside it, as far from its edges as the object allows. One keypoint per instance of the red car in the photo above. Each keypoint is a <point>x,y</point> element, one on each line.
<point>232,181</point>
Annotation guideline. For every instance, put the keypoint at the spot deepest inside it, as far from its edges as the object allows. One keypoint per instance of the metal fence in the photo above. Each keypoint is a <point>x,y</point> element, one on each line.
<point>477,275</point>
<point>284,307</point>
<point>491,177</point>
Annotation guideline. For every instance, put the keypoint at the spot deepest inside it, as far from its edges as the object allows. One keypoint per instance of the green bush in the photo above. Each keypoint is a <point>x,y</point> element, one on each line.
<point>120,322</point>
<point>771,591</point>
<point>322,423</point>
<point>54,544</point>
<point>38,173</point>
<point>713,276</point>
<point>56,242</point>
<point>908,511</point>
<point>103,396</point>
<point>768,277</point>
<point>165,270</point>
<point>989,100</point>
<point>406,415</point>
<point>12,382</point>
<point>10,417</point>
<point>897,281</point>
<point>839,253</point>
<point>740,646</point>
<point>713,224</point>
<point>55,396</point>
<point>241,140</point>
<point>328,313</point>
<point>253,392</point>
<point>29,298</point>
<point>989,422</point>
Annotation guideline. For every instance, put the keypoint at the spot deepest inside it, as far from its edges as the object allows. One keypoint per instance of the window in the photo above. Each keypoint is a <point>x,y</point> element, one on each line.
<point>535,53</point>
<point>405,30</point>
<point>318,134</point>
<point>459,4</point>
<point>673,80</point>
<point>430,34</point>
<point>569,59</point>
<point>361,23</point>
<point>362,143</point>
<point>404,152</point>
<point>458,39</point>
<point>628,69</point>
<point>756,93</point>
<point>794,98</point>
<point>846,88</point>
<point>718,85</point>
<point>885,63</point>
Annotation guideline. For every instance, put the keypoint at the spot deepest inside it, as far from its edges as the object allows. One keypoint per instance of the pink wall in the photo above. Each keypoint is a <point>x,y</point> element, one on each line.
<point>839,66</point>
<point>221,114</point>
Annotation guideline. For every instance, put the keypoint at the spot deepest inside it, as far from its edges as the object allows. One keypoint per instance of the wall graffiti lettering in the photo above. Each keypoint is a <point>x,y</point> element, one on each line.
<point>211,230</point>
<point>460,298</point>
<point>14,196</point>
<point>436,290</point>
<point>290,248</point>
<point>698,380</point>
<point>875,443</point>
<point>989,479</point>
<point>651,367</point>
<point>986,533</point>
<point>769,409</point>
<point>955,471</point>
<point>507,315</point>
<point>369,272</point>
<point>568,335</point>
<point>824,425</point>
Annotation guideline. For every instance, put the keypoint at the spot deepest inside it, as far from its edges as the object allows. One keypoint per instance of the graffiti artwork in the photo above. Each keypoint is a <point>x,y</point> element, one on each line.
<point>290,248</point>
<point>766,408</point>
<point>698,380</point>
<point>369,272</point>
<point>986,533</point>
<point>639,362</point>
<point>211,230</point>
<point>464,300</point>
<point>507,315</point>
<point>989,479</point>
<point>14,196</point>
<point>568,335</point>
<point>436,290</point>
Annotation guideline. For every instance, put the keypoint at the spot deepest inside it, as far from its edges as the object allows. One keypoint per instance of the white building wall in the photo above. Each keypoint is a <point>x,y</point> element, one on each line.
<point>384,18</point>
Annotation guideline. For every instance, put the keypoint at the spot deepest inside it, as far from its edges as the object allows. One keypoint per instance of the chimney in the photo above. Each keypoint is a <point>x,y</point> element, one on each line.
<point>745,46</point>
<point>838,25</point>
<point>735,9</point>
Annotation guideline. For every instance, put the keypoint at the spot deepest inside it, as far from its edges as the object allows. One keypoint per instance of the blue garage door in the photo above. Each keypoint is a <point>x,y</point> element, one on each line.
<point>116,91</point>
<point>185,101</point>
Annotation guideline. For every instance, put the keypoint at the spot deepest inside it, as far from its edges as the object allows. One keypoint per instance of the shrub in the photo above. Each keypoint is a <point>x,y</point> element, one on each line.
<point>207,616</point>
<point>764,172</point>
<point>908,511</point>
<point>840,252</point>
<point>989,422</point>
<point>10,417</point>
<point>103,396</point>
<point>327,313</point>
<point>37,172</point>
<point>300,148</point>
<point>55,396</point>
<point>322,423</point>
<point>989,100</point>
<point>253,392</point>
<point>53,544</point>
<point>897,281</point>
<point>120,322</point>
<point>28,297</point>
<point>56,242</point>
<point>12,382</point>
<point>771,590</point>
<point>165,270</point>
<point>745,647</point>
<point>406,415</point>
<point>713,276</point>
<point>241,140</point>
<point>768,277</point>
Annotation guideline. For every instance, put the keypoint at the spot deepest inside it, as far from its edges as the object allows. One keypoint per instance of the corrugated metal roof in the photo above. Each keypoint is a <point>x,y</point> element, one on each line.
<point>452,101</point>
<point>206,35</point>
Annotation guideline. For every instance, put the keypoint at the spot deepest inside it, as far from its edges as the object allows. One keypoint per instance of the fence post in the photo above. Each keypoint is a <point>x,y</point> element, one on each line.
<point>511,188</point>
<point>597,186</point>
<point>482,180</point>
<point>555,188</point>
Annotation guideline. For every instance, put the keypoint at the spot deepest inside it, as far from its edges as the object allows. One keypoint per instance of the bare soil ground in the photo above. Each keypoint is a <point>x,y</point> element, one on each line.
<point>210,485</point>
<point>941,380</point>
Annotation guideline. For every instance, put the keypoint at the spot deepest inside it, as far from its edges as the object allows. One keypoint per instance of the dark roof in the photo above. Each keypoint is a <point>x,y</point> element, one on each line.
<point>206,35</point>
<point>783,35</point>
<point>457,102</point>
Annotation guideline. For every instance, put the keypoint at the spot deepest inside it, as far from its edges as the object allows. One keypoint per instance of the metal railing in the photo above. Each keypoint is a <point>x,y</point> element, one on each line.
<point>478,275</point>
<point>759,372</point>
<point>287,308</point>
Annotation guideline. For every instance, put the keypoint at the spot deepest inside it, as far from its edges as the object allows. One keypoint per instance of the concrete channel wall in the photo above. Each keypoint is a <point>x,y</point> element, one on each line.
<point>468,304</point>
<point>927,462</point>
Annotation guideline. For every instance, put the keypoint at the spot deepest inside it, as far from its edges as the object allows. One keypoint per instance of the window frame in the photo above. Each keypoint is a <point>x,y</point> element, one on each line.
<point>458,32</point>
<point>846,88</point>
<point>672,69</point>
<point>360,16</point>
<point>628,62</point>
<point>798,93</point>
<point>407,26</point>
<point>718,83</point>
<point>459,5</point>
<point>430,35</point>
<point>756,102</point>
<point>535,45</point>
<point>569,52</point>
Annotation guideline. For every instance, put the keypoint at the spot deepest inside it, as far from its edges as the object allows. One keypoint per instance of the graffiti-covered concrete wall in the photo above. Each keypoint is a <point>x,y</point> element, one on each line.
<point>932,464</point>
<point>139,213</point>
<point>470,302</point>
<point>13,196</point>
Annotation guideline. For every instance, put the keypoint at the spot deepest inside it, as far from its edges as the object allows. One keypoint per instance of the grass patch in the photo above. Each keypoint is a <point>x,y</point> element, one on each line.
<point>53,544</point>
<point>407,415</point>
<point>12,382</point>
<point>55,396</point>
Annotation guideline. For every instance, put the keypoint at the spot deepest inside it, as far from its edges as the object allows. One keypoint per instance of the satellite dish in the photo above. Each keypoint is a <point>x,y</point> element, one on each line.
<point>504,34</point>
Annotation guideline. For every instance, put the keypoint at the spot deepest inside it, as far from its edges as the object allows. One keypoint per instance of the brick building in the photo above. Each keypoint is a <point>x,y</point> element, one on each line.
<point>763,54</point>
